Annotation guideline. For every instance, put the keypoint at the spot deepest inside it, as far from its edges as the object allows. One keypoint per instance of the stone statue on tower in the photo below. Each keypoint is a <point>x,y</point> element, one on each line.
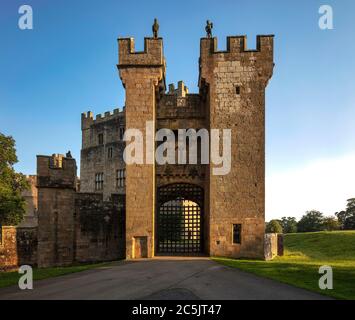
<point>209,26</point>
<point>155,28</point>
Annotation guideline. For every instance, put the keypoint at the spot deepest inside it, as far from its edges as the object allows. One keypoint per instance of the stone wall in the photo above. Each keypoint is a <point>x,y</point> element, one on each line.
<point>183,173</point>
<point>176,107</point>
<point>8,248</point>
<point>31,197</point>
<point>99,228</point>
<point>18,246</point>
<point>273,245</point>
<point>179,110</point>
<point>106,157</point>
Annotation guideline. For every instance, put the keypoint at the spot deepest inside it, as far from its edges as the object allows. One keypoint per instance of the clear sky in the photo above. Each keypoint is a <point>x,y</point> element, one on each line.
<point>67,65</point>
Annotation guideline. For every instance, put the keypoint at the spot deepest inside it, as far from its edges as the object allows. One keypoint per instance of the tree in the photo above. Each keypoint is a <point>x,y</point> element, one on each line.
<point>331,223</point>
<point>312,221</point>
<point>342,216</point>
<point>349,223</point>
<point>289,224</point>
<point>12,204</point>
<point>274,226</point>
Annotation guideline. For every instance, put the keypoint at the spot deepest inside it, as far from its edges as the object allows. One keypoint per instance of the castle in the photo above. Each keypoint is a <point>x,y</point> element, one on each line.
<point>144,210</point>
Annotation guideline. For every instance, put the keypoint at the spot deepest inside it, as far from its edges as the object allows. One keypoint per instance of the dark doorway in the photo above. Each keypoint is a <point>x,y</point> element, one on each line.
<point>179,222</point>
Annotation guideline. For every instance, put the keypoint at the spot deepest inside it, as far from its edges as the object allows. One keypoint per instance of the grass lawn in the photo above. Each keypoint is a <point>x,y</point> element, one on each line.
<point>11,278</point>
<point>304,254</point>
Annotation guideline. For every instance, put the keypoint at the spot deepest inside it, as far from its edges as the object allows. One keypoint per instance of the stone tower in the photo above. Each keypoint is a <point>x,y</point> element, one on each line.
<point>234,82</point>
<point>56,183</point>
<point>143,77</point>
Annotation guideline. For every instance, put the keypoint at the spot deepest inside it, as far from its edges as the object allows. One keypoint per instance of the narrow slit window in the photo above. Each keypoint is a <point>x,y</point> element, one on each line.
<point>121,133</point>
<point>110,153</point>
<point>237,90</point>
<point>101,139</point>
<point>237,233</point>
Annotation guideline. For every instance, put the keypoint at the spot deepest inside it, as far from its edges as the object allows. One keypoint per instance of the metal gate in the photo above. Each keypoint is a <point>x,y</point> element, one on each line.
<point>179,222</point>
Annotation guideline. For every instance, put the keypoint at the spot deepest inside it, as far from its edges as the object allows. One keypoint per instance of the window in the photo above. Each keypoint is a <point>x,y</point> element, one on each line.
<point>237,90</point>
<point>120,178</point>
<point>121,133</point>
<point>100,138</point>
<point>237,233</point>
<point>109,152</point>
<point>99,181</point>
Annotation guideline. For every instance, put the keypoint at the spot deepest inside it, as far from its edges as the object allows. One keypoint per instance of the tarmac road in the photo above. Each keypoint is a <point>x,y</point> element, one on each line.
<point>155,279</point>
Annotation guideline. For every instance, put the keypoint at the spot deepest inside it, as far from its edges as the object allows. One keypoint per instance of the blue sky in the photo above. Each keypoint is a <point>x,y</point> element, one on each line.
<point>67,65</point>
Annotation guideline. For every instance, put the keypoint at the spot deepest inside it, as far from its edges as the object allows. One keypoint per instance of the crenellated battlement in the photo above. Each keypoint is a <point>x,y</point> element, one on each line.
<point>88,119</point>
<point>237,44</point>
<point>237,59</point>
<point>152,56</point>
<point>56,171</point>
<point>87,115</point>
<point>108,115</point>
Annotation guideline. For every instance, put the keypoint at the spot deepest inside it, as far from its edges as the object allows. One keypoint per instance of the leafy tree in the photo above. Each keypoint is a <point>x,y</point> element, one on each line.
<point>342,216</point>
<point>289,224</point>
<point>349,223</point>
<point>331,223</point>
<point>12,204</point>
<point>312,221</point>
<point>274,226</point>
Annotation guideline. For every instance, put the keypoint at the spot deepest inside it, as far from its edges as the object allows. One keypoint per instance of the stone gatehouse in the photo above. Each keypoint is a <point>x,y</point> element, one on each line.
<point>144,210</point>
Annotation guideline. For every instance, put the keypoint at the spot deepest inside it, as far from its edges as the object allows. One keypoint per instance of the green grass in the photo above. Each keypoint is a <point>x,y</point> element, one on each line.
<point>304,254</point>
<point>11,278</point>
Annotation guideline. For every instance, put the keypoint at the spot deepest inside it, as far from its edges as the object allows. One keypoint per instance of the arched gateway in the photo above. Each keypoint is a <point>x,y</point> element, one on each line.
<point>179,219</point>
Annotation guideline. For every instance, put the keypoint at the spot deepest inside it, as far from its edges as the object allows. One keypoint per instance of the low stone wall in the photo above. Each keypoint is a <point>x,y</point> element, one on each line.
<point>99,228</point>
<point>27,245</point>
<point>18,246</point>
<point>97,232</point>
<point>273,245</point>
<point>8,248</point>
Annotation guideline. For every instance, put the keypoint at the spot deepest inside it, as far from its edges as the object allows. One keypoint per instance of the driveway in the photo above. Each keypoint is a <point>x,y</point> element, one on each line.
<point>181,279</point>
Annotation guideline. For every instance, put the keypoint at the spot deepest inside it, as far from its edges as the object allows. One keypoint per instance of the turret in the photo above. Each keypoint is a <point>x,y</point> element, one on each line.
<point>143,76</point>
<point>233,84</point>
<point>56,183</point>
